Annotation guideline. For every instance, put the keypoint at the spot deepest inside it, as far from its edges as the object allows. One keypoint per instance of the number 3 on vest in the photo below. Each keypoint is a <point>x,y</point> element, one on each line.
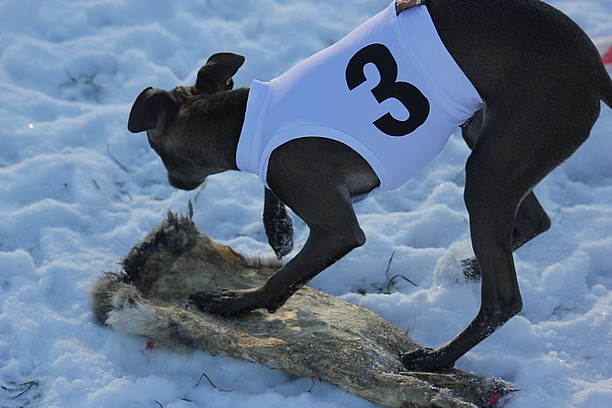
<point>409,95</point>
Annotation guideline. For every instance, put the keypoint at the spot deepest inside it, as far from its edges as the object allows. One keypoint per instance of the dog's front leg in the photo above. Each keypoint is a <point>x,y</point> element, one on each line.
<point>334,231</point>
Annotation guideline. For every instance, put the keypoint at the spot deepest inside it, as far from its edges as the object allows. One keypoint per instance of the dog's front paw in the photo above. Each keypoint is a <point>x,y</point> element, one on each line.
<point>279,230</point>
<point>471,269</point>
<point>278,225</point>
<point>425,360</point>
<point>225,304</point>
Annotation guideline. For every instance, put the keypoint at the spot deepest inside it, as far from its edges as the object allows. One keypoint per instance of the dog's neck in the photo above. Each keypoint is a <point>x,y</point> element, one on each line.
<point>226,111</point>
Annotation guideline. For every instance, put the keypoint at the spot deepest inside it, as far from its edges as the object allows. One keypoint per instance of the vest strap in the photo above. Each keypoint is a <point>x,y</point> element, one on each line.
<point>403,5</point>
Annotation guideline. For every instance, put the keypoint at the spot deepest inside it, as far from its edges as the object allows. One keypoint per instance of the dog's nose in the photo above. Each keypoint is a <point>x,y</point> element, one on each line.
<point>183,185</point>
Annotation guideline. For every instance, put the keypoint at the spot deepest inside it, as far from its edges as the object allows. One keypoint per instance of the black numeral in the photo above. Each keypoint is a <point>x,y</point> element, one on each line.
<point>409,95</point>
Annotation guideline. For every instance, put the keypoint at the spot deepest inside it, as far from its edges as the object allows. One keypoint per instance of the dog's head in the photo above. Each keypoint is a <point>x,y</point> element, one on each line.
<point>176,121</point>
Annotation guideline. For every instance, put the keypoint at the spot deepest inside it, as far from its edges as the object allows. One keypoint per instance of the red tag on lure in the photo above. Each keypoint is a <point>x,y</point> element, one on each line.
<point>494,399</point>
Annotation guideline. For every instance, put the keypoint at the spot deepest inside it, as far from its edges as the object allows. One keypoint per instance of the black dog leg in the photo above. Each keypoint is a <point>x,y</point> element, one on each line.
<point>508,159</point>
<point>334,231</point>
<point>531,220</point>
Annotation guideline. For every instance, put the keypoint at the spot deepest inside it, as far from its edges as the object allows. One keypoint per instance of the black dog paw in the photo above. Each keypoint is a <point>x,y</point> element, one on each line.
<point>280,236</point>
<point>224,304</point>
<point>278,225</point>
<point>425,360</point>
<point>471,269</point>
<point>231,303</point>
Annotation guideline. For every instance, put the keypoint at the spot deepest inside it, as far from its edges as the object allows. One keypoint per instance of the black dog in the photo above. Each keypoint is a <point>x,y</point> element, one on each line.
<point>541,81</point>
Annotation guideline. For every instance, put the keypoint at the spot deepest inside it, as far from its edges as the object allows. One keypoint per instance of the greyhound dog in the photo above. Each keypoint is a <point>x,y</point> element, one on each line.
<point>537,85</point>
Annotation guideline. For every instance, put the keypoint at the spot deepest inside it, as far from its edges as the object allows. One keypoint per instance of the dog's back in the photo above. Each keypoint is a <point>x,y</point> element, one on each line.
<point>510,47</point>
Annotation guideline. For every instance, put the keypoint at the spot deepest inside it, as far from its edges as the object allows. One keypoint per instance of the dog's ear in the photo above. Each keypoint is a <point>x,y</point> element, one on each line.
<point>149,109</point>
<point>216,75</point>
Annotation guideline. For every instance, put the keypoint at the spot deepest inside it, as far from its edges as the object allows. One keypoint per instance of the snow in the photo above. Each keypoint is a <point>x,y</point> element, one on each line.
<point>78,191</point>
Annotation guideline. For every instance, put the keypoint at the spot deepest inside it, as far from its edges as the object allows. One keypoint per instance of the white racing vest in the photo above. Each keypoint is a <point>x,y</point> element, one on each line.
<point>389,90</point>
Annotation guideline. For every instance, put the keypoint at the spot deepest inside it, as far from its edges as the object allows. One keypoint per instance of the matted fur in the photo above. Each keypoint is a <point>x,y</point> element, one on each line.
<point>314,334</point>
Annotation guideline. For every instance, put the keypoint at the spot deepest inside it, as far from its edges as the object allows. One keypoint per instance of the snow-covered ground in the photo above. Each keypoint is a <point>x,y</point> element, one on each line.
<point>77,191</point>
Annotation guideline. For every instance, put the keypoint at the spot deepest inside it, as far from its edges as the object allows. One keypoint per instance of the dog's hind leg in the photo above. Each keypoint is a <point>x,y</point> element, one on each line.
<point>509,158</point>
<point>531,219</point>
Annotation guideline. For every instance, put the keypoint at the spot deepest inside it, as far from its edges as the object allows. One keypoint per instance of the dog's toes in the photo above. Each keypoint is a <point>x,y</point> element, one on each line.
<point>425,360</point>
<point>471,269</point>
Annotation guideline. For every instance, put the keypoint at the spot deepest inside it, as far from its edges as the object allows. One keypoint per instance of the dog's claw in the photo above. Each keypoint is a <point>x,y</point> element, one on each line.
<point>425,360</point>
